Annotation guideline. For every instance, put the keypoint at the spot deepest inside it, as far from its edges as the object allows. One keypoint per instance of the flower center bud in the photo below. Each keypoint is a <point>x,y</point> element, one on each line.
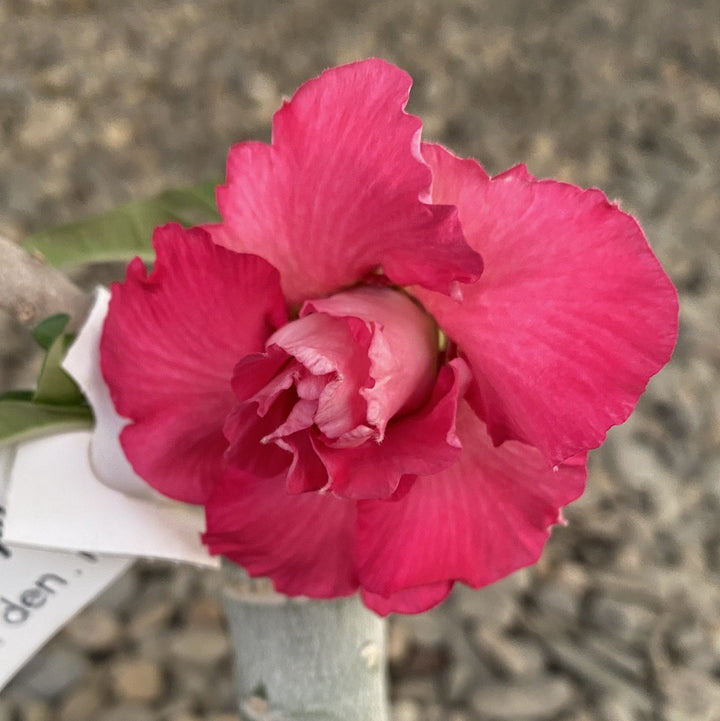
<point>333,379</point>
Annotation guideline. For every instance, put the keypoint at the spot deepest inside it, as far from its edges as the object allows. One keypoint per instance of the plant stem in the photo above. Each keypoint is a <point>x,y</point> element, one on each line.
<point>31,290</point>
<point>304,660</point>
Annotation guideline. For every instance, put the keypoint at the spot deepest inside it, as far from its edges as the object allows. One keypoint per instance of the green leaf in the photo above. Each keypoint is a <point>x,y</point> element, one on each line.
<point>126,231</point>
<point>21,420</point>
<point>16,396</point>
<point>55,386</point>
<point>49,329</point>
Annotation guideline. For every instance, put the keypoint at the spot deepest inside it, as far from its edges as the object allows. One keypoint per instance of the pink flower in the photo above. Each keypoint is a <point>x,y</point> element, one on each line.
<point>384,369</point>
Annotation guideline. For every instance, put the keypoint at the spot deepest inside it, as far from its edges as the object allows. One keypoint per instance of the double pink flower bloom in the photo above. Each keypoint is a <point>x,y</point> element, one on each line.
<point>384,368</point>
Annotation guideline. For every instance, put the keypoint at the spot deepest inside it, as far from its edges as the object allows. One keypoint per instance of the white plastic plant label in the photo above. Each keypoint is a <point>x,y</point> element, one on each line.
<point>55,501</point>
<point>77,491</point>
<point>41,590</point>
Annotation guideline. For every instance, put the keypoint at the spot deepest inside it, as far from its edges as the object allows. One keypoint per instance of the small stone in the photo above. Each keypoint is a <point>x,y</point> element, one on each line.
<point>559,601</point>
<point>96,630</point>
<point>33,710</point>
<point>127,712</point>
<point>150,617</point>
<point>48,121</point>
<point>490,607</point>
<point>535,700</point>
<point>625,620</point>
<point>611,708</point>
<point>53,672</point>
<point>419,690</point>
<point>399,641</point>
<point>427,628</point>
<point>117,133</point>
<point>137,679</point>
<point>205,612</point>
<point>6,710</point>
<point>120,594</point>
<point>460,679</point>
<point>405,710</point>
<point>513,657</point>
<point>200,646</point>
<point>81,705</point>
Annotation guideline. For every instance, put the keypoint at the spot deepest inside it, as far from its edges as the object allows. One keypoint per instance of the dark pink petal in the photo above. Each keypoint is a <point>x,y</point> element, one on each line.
<point>169,346</point>
<point>409,600</point>
<point>339,192</point>
<point>479,520</point>
<point>245,430</point>
<point>421,443</point>
<point>572,315</point>
<point>303,542</point>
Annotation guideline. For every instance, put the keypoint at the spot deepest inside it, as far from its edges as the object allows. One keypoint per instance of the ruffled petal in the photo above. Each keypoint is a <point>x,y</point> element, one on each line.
<point>479,520</point>
<point>573,313</point>
<point>338,349</point>
<point>340,191</point>
<point>421,443</point>
<point>303,542</point>
<point>411,600</point>
<point>169,346</point>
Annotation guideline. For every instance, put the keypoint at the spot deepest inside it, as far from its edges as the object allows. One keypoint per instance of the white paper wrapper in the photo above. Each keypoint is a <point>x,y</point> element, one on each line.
<point>77,491</point>
<point>40,591</point>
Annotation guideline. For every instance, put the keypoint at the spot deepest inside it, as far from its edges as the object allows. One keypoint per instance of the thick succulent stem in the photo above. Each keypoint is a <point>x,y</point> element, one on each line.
<point>304,660</point>
<point>31,290</point>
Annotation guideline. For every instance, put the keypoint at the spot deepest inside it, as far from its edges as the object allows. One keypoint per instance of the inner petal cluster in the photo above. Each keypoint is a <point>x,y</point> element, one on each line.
<point>349,367</point>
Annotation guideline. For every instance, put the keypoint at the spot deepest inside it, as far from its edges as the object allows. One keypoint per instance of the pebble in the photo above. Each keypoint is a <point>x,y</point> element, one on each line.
<point>120,594</point>
<point>137,679</point>
<point>205,612</point>
<point>535,700</point>
<point>127,712</point>
<point>150,617</point>
<point>35,711</point>
<point>48,121</point>
<point>558,600</point>
<point>54,671</point>
<point>406,710</point>
<point>95,630</point>
<point>618,618</point>
<point>613,709</point>
<point>82,704</point>
<point>399,640</point>
<point>492,606</point>
<point>200,646</point>
<point>512,656</point>
<point>428,628</point>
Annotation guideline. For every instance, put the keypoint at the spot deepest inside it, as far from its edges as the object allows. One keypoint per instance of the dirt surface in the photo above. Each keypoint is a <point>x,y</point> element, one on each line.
<point>104,101</point>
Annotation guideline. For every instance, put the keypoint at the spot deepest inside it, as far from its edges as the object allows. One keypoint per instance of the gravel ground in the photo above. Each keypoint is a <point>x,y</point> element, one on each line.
<point>102,102</point>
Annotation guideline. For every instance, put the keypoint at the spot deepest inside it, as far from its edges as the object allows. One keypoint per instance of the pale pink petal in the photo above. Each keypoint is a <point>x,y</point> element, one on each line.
<point>303,542</point>
<point>337,349</point>
<point>169,346</point>
<point>479,520</point>
<point>421,443</point>
<point>572,315</point>
<point>402,352</point>
<point>340,191</point>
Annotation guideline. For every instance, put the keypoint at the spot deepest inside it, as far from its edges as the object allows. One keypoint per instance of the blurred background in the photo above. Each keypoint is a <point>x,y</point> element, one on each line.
<point>103,102</point>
